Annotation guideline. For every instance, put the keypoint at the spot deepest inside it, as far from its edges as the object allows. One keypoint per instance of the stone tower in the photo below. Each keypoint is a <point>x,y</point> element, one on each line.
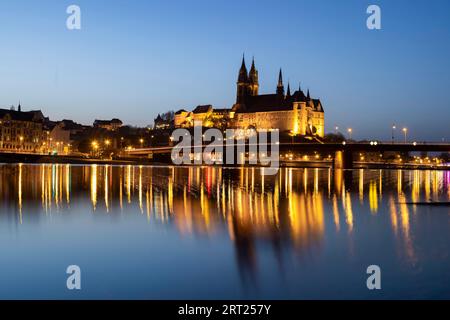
<point>253,80</point>
<point>242,83</point>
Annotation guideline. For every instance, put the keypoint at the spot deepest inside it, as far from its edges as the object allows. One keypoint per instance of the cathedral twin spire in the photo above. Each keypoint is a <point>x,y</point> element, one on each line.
<point>248,83</point>
<point>251,77</point>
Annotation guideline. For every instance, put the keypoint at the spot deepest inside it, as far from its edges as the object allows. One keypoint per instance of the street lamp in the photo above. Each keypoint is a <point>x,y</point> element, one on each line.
<point>95,146</point>
<point>141,142</point>
<point>405,131</point>
<point>337,129</point>
<point>350,132</point>
<point>21,142</point>
<point>393,128</point>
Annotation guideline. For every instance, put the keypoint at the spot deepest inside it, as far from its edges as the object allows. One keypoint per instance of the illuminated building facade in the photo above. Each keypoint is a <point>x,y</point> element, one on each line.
<point>61,136</point>
<point>161,123</point>
<point>296,113</point>
<point>207,115</point>
<point>21,131</point>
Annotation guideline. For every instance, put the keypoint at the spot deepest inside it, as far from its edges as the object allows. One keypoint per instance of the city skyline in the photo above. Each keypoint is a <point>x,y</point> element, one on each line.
<point>129,59</point>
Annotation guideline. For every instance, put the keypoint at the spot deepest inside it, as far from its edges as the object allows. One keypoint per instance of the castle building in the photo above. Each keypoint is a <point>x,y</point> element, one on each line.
<point>295,113</point>
<point>162,123</point>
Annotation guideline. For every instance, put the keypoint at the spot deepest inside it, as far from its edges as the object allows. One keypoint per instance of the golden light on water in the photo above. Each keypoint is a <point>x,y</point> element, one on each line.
<point>107,188</point>
<point>94,186</point>
<point>19,193</point>
<point>373,196</point>
<point>297,202</point>
<point>347,205</point>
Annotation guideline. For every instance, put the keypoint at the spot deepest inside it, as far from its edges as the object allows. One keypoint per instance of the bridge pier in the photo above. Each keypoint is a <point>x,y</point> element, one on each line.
<point>343,159</point>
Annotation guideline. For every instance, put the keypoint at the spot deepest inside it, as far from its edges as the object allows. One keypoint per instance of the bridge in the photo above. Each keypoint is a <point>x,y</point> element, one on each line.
<point>343,154</point>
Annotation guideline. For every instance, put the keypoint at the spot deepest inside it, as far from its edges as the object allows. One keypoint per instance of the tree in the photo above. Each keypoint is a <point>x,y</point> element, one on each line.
<point>334,138</point>
<point>168,116</point>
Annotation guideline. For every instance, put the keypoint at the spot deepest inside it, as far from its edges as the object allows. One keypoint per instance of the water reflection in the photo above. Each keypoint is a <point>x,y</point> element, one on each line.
<point>294,211</point>
<point>199,198</point>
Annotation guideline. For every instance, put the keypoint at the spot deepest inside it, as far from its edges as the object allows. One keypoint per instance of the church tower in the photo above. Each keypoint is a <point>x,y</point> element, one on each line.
<point>253,80</point>
<point>242,83</point>
<point>280,86</point>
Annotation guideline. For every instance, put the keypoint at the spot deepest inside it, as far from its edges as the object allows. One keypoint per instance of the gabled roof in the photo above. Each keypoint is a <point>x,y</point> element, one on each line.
<point>318,105</point>
<point>265,103</point>
<point>221,110</point>
<point>202,109</point>
<point>71,125</point>
<point>276,102</point>
<point>299,96</point>
<point>31,116</point>
<point>180,111</point>
<point>107,122</point>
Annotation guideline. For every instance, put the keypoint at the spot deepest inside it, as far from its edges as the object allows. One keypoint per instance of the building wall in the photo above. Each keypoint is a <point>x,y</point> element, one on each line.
<point>59,140</point>
<point>307,116</point>
<point>282,120</point>
<point>296,120</point>
<point>20,136</point>
<point>183,119</point>
<point>201,116</point>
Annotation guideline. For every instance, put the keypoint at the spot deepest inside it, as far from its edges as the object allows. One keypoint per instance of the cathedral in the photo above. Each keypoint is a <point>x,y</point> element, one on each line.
<point>294,113</point>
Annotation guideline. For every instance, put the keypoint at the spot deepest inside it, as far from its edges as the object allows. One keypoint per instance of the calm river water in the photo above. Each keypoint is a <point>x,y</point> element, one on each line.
<point>216,233</point>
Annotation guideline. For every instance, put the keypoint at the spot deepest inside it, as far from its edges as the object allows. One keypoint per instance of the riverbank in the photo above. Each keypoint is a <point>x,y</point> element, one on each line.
<point>58,159</point>
<point>39,158</point>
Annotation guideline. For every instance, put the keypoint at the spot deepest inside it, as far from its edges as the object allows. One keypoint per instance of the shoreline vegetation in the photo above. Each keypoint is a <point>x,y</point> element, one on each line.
<point>15,158</point>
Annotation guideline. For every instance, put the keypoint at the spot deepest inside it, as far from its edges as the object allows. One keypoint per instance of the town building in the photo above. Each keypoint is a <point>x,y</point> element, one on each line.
<point>62,135</point>
<point>183,119</point>
<point>110,125</point>
<point>21,131</point>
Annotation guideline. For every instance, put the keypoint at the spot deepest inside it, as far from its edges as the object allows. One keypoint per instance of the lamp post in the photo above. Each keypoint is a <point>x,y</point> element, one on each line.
<point>350,132</point>
<point>47,144</point>
<point>141,141</point>
<point>94,147</point>
<point>336,129</point>
<point>21,143</point>
<point>393,129</point>
<point>405,131</point>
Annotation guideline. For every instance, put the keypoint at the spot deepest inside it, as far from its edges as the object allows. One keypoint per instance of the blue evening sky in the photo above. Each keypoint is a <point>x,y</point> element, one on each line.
<point>133,59</point>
